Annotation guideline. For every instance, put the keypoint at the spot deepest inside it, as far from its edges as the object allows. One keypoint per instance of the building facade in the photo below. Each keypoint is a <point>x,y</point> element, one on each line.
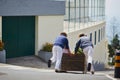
<point>28,24</point>
<point>88,17</point>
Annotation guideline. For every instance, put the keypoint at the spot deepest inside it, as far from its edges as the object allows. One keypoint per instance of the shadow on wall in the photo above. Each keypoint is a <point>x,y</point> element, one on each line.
<point>98,66</point>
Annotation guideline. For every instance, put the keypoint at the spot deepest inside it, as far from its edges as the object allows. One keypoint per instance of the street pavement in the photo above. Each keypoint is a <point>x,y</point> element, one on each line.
<point>12,72</point>
<point>32,68</point>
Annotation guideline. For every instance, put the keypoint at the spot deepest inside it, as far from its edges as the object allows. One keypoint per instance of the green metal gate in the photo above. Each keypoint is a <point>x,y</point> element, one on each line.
<point>18,34</point>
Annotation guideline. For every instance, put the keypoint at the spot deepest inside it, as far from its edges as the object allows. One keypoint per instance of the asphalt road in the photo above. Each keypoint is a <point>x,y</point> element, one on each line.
<point>10,72</point>
<point>35,69</point>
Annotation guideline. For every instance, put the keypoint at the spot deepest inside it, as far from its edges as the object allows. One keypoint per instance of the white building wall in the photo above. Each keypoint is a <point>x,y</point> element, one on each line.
<point>100,47</point>
<point>47,28</point>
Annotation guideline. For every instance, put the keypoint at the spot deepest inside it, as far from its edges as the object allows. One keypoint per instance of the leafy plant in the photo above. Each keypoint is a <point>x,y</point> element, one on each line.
<point>111,51</point>
<point>79,51</point>
<point>115,44</point>
<point>47,47</point>
<point>1,45</point>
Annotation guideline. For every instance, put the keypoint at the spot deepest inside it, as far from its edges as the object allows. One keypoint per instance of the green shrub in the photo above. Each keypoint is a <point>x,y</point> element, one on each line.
<point>79,51</point>
<point>1,45</point>
<point>112,63</point>
<point>47,47</point>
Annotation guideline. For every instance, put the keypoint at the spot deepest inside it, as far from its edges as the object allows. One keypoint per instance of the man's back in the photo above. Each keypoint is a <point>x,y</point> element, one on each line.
<point>61,41</point>
<point>85,41</point>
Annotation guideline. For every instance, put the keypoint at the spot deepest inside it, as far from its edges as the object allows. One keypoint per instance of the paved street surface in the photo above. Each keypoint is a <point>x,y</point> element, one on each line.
<point>10,72</point>
<point>28,61</point>
<point>32,68</point>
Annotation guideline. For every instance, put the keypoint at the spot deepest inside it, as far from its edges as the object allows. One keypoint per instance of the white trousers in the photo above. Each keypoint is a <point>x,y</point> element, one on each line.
<point>57,56</point>
<point>88,51</point>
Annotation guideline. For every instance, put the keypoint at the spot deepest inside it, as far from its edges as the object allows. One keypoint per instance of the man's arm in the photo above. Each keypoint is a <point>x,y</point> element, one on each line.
<point>77,46</point>
<point>67,46</point>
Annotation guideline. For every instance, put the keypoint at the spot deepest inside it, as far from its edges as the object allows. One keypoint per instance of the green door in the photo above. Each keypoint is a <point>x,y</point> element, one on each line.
<point>18,34</point>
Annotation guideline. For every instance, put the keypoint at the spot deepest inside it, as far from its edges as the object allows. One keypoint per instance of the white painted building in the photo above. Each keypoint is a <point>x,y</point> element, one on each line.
<point>48,20</point>
<point>27,24</point>
<point>87,16</point>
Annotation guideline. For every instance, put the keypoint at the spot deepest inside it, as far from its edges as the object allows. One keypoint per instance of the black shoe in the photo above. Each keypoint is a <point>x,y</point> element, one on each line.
<point>60,71</point>
<point>57,71</point>
<point>49,63</point>
<point>63,71</point>
<point>92,72</point>
<point>89,66</point>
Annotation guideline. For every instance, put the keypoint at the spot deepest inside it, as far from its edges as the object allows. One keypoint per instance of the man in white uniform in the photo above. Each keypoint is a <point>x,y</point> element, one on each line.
<point>61,42</point>
<point>86,45</point>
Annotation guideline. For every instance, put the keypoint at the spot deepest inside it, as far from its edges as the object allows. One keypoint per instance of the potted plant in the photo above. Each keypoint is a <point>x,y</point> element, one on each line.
<point>74,62</point>
<point>2,53</point>
<point>46,52</point>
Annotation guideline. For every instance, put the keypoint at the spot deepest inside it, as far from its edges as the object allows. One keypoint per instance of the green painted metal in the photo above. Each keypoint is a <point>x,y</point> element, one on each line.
<point>18,34</point>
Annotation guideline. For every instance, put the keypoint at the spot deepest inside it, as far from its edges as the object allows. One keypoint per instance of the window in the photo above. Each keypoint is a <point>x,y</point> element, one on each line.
<point>99,35</point>
<point>81,13</point>
<point>95,39</point>
<point>90,36</point>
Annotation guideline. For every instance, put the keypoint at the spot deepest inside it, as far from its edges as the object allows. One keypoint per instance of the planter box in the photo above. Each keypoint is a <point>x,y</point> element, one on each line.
<point>45,56</point>
<point>2,56</point>
<point>75,62</point>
